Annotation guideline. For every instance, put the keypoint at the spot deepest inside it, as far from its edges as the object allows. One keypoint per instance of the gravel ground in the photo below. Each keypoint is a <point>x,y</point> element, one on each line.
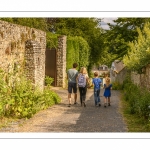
<point>60,118</point>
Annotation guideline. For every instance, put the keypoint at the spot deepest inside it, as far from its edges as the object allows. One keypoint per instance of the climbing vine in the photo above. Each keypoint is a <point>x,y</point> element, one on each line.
<point>51,40</point>
<point>78,51</point>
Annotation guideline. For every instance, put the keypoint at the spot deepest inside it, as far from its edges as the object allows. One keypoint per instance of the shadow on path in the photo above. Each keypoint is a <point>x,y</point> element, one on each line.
<point>91,118</point>
<point>60,118</point>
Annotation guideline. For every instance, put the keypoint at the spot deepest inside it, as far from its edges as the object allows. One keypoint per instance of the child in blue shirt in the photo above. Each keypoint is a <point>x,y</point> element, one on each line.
<point>97,84</point>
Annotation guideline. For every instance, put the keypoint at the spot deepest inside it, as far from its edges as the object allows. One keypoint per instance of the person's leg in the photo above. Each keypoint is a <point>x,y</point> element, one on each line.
<point>84,95</point>
<point>105,101</point>
<point>95,97</point>
<point>108,101</point>
<point>69,98</point>
<point>98,97</point>
<point>69,93</point>
<point>75,98</point>
<point>80,91</point>
<point>75,93</point>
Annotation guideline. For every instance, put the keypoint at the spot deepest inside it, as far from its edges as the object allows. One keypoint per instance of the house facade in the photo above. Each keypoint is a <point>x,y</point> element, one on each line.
<point>118,71</point>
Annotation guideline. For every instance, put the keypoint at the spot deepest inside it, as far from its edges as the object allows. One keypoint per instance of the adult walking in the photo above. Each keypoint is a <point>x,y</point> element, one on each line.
<point>72,83</point>
<point>82,84</point>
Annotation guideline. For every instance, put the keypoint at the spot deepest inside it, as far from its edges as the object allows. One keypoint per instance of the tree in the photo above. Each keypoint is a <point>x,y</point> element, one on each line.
<point>87,28</point>
<point>119,35</point>
<point>139,54</point>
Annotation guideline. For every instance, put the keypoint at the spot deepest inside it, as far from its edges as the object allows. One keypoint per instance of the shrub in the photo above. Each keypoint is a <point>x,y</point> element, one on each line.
<point>116,85</point>
<point>49,80</point>
<point>19,99</point>
<point>137,98</point>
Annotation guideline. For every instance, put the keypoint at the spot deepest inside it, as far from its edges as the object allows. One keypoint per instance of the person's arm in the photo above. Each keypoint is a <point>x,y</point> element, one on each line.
<point>87,79</point>
<point>100,82</point>
<point>77,78</point>
<point>90,83</point>
<point>111,87</point>
<point>104,86</point>
<point>67,75</point>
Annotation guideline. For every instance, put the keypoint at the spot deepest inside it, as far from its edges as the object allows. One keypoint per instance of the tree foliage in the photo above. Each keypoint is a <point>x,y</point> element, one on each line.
<point>78,51</point>
<point>120,34</point>
<point>87,28</point>
<point>38,23</point>
<point>139,53</point>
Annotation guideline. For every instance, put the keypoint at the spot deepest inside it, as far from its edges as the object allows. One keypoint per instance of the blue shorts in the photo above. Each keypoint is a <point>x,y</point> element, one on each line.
<point>72,86</point>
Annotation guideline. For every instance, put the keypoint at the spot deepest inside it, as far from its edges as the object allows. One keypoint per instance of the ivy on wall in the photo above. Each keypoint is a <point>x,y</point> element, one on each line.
<point>51,40</point>
<point>77,51</point>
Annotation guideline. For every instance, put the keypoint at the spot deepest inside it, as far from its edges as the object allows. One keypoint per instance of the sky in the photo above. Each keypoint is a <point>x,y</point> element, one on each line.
<point>105,21</point>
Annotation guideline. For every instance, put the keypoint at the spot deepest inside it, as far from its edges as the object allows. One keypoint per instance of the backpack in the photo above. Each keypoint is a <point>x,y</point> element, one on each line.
<point>81,80</point>
<point>96,83</point>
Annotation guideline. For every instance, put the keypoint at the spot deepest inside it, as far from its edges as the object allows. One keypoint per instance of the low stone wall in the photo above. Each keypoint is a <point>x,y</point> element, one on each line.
<point>25,47</point>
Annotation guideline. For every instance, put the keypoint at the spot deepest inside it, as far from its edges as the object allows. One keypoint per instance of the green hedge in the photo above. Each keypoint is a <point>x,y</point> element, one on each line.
<point>51,40</point>
<point>138,99</point>
<point>78,51</point>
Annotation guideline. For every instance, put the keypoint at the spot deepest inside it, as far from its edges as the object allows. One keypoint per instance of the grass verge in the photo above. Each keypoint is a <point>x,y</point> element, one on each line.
<point>133,121</point>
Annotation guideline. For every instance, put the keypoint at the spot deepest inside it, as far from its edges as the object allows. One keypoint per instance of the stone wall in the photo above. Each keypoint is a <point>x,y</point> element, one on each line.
<point>142,80</point>
<point>25,47</point>
<point>118,77</point>
<point>121,75</point>
<point>61,61</point>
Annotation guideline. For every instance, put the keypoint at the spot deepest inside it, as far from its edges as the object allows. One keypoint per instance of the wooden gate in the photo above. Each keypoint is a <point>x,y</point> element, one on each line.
<point>50,65</point>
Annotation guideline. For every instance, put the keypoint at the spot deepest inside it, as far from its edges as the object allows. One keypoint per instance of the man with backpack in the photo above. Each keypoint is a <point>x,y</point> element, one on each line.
<point>97,84</point>
<point>72,83</point>
<point>82,84</point>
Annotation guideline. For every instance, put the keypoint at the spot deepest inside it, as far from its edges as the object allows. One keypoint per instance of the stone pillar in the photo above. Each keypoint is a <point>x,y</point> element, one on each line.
<point>61,61</point>
<point>34,63</point>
